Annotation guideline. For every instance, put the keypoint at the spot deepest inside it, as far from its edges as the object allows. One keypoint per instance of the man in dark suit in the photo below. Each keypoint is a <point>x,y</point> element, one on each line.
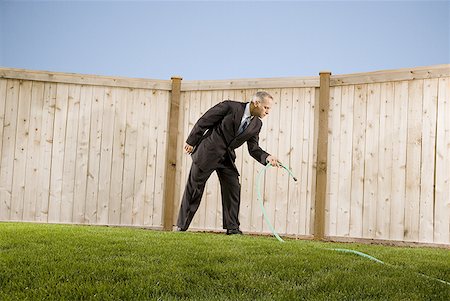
<point>212,142</point>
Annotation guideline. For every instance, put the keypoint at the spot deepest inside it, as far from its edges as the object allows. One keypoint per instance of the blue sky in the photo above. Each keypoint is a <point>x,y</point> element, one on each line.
<point>223,40</point>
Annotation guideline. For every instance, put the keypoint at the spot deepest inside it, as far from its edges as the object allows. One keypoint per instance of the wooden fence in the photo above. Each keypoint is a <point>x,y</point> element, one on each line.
<point>82,150</point>
<point>94,150</point>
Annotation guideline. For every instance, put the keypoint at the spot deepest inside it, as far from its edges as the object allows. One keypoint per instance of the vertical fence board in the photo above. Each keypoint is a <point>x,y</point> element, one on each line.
<point>59,138</point>
<point>120,97</point>
<point>46,150</point>
<point>413,162</point>
<point>34,142</point>
<point>296,129</point>
<point>270,189</point>
<point>283,154</point>
<point>82,155</point>
<point>70,152</point>
<point>104,179</point>
<point>399,139</point>
<point>371,161</point>
<point>149,200</point>
<point>162,101</point>
<point>97,107</point>
<point>8,148</point>
<point>334,124</point>
<point>385,161</point>
<point>313,107</point>
<point>126,216</point>
<point>442,199</point>
<point>358,164</point>
<point>142,115</point>
<point>20,153</point>
<point>426,215</point>
<point>3,90</point>
<point>345,161</point>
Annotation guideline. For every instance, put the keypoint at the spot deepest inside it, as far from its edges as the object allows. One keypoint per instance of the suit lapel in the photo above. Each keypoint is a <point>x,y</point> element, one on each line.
<point>238,117</point>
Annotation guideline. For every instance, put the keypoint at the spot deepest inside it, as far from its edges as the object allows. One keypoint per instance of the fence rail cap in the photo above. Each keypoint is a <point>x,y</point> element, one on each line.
<point>403,74</point>
<point>84,79</point>
<point>251,83</point>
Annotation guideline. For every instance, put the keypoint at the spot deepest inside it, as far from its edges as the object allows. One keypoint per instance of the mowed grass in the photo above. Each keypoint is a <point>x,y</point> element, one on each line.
<point>64,262</point>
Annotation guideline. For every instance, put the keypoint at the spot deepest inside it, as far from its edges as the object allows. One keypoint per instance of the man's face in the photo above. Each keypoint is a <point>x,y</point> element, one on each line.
<point>262,108</point>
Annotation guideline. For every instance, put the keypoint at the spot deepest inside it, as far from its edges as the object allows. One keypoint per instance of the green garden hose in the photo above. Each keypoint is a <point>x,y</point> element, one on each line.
<point>261,203</point>
<point>266,218</point>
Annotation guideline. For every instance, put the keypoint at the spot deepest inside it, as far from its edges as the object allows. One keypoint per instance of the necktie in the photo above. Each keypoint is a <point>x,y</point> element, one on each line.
<point>244,125</point>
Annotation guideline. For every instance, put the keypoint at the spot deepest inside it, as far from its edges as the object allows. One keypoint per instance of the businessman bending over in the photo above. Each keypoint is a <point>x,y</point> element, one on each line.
<point>212,142</point>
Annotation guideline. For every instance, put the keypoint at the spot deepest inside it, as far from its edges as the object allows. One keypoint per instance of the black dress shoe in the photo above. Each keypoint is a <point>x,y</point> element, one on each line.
<point>234,231</point>
<point>179,229</point>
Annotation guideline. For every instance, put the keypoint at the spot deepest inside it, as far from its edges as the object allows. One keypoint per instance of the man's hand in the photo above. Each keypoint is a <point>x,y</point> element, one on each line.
<point>273,161</point>
<point>188,149</point>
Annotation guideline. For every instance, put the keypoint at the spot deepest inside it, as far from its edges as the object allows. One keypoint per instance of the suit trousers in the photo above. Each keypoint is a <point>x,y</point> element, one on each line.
<point>230,190</point>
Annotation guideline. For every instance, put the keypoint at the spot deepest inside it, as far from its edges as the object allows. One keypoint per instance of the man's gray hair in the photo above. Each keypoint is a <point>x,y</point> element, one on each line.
<point>261,95</point>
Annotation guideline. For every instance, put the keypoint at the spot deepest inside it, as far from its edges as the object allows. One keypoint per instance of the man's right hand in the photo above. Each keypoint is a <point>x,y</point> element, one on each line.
<point>188,149</point>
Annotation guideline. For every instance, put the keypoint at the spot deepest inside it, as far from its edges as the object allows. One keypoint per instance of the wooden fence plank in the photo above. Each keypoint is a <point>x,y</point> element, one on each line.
<point>82,155</point>
<point>45,157</point>
<point>358,164</point>
<point>426,214</point>
<point>334,124</point>
<point>8,148</point>
<point>314,110</point>
<point>150,200</point>
<point>413,155</point>
<point>270,191</point>
<point>126,216</point>
<point>33,145</point>
<point>95,141</point>
<point>142,115</point>
<point>385,161</point>
<point>296,129</point>
<point>371,158</point>
<point>345,161</point>
<point>57,168</point>
<point>283,154</point>
<point>3,90</point>
<point>20,153</point>
<point>399,145</point>
<point>162,142</point>
<point>119,96</point>
<point>70,154</point>
<point>104,179</point>
<point>442,192</point>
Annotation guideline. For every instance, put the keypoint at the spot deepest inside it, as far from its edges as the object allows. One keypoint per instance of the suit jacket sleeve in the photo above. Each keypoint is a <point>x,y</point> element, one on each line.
<point>212,117</point>
<point>255,151</point>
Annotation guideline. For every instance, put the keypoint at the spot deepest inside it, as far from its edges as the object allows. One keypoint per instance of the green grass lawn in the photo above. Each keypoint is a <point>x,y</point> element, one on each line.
<point>63,262</point>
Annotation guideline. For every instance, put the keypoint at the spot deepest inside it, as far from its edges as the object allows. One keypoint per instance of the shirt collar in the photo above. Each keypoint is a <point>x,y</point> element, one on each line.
<point>247,111</point>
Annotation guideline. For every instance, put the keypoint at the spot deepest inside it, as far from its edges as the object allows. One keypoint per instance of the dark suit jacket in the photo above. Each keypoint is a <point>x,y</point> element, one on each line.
<point>214,136</point>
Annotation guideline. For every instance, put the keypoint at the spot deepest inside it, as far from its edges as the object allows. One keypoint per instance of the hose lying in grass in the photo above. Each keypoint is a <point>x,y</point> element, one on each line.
<point>269,224</point>
<point>379,261</point>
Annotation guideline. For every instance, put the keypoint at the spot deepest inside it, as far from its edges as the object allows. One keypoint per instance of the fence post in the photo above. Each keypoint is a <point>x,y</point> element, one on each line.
<point>322,154</point>
<point>171,155</point>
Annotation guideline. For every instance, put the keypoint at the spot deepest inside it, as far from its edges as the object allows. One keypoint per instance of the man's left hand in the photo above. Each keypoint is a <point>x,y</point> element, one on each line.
<point>273,161</point>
